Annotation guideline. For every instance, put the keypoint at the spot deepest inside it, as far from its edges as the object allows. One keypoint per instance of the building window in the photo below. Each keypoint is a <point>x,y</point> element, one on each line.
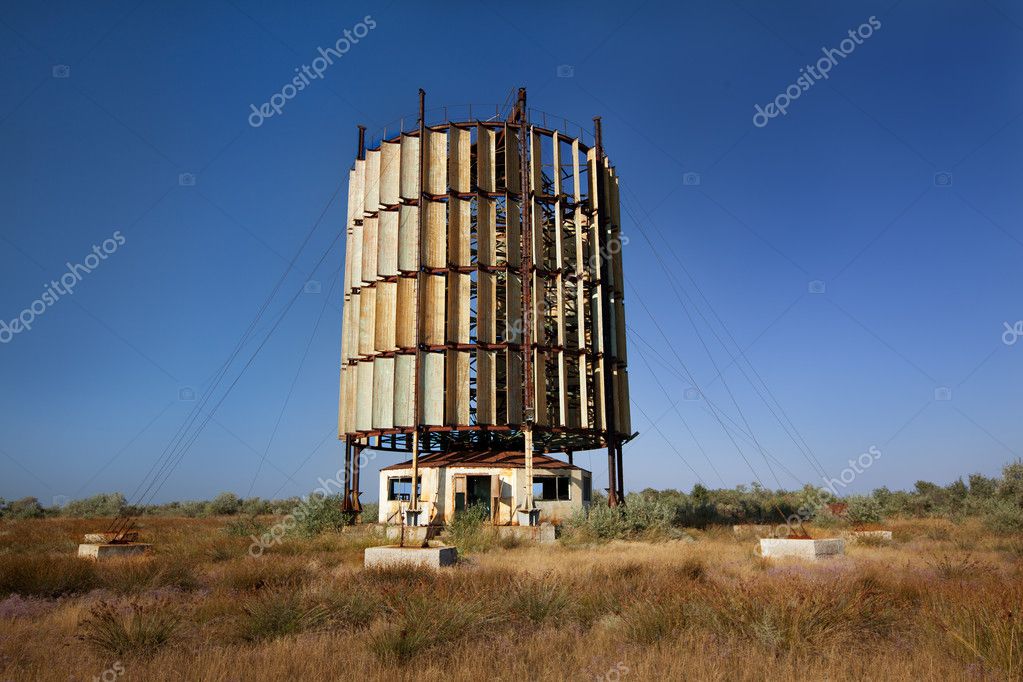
<point>587,489</point>
<point>400,488</point>
<point>552,488</point>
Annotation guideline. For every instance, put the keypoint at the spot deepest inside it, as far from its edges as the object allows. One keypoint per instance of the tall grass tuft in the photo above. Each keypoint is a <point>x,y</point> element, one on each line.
<point>278,613</point>
<point>987,628</point>
<point>649,622</point>
<point>134,576</point>
<point>269,572</point>
<point>420,622</point>
<point>958,567</point>
<point>797,615</point>
<point>40,575</point>
<point>468,530</point>
<point>135,631</point>
<point>538,600</point>
<point>352,609</point>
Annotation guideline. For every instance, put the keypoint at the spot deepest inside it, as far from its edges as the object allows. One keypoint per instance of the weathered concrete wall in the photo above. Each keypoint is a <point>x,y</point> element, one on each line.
<point>437,497</point>
<point>505,479</point>
<point>560,510</point>
<point>428,495</point>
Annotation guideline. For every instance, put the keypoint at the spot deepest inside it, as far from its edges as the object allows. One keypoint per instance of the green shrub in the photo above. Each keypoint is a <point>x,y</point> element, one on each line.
<point>370,512</point>
<point>224,504</point>
<point>863,510</point>
<point>319,514</point>
<point>102,505</point>
<point>1004,516</point>
<point>25,508</point>
<point>244,527</point>
<point>193,510</point>
<point>468,531</point>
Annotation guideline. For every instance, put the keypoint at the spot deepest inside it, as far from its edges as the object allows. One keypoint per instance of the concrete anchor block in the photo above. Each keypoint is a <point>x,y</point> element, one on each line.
<point>414,535</point>
<point>544,534</point>
<point>881,535</point>
<point>101,552</point>
<point>811,550</point>
<point>420,557</point>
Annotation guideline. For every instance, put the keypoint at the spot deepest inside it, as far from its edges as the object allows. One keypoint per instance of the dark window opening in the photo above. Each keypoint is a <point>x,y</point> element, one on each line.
<point>551,488</point>
<point>587,489</point>
<point>400,488</point>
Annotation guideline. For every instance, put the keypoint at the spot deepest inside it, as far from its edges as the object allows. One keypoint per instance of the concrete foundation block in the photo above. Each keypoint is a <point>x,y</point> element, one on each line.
<point>528,517</point>
<point>414,535</point>
<point>812,550</point>
<point>423,557</point>
<point>100,552</point>
<point>878,535</point>
<point>544,534</point>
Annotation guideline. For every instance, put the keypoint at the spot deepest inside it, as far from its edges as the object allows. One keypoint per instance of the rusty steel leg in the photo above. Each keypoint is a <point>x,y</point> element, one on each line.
<point>621,475</point>
<point>356,492</point>
<point>612,477</point>
<point>346,493</point>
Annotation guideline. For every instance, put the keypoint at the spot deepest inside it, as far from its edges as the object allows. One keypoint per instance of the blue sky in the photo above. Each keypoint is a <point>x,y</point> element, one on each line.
<point>892,183</point>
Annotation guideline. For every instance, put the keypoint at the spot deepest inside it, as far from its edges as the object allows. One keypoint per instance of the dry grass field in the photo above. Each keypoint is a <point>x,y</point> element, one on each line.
<point>941,602</point>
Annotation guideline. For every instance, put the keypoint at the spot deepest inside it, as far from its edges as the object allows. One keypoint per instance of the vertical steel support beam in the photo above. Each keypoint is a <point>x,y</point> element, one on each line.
<point>346,493</point>
<point>356,492</point>
<point>609,401</point>
<point>621,475</point>
<point>526,272</point>
<point>413,496</point>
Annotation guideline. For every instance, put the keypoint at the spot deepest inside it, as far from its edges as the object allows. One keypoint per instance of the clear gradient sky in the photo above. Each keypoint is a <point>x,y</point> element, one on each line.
<point>894,184</point>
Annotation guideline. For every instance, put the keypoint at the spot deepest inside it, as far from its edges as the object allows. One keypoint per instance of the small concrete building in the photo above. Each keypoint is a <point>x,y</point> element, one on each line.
<point>451,481</point>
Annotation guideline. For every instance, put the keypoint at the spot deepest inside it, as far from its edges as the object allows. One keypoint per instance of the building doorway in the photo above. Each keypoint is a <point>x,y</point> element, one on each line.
<point>476,491</point>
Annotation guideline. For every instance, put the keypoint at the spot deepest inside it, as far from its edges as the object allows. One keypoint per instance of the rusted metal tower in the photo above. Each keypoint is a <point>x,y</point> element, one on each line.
<point>483,296</point>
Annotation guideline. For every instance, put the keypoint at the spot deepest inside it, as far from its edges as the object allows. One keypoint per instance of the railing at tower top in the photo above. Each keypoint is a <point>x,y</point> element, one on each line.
<point>476,112</point>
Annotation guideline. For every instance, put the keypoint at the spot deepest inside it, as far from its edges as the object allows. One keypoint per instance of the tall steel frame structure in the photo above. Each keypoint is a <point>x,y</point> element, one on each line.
<point>483,296</point>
